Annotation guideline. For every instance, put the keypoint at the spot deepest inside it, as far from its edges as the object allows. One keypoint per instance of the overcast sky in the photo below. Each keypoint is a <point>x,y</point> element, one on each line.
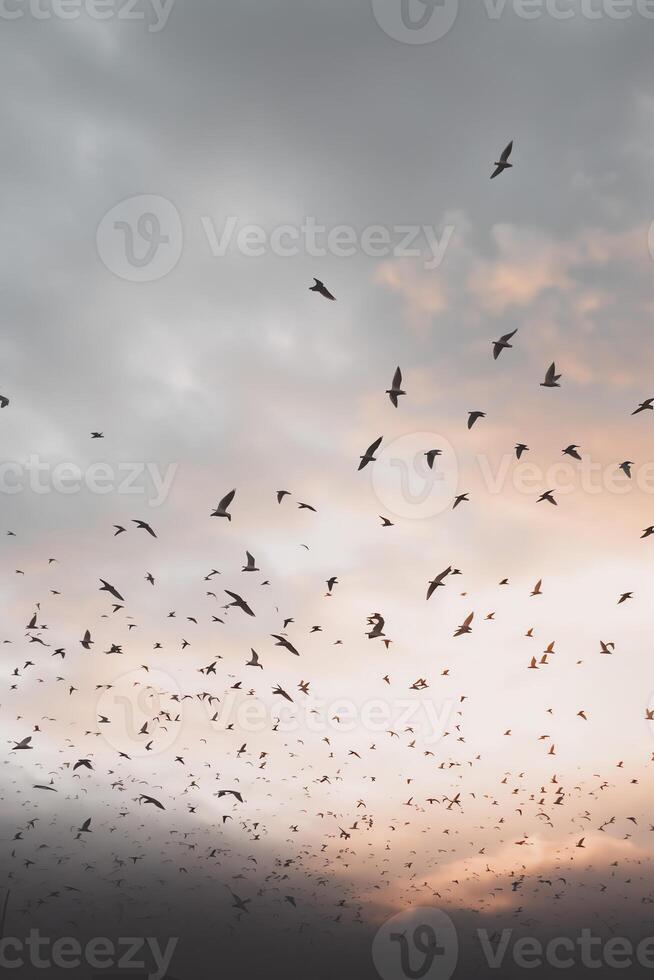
<point>173,181</point>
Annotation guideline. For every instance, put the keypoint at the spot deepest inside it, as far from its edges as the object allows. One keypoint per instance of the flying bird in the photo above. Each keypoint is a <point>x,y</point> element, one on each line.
<point>221,509</point>
<point>369,455</point>
<point>502,343</point>
<point>503,163</point>
<point>551,378</point>
<point>395,391</point>
<point>319,287</point>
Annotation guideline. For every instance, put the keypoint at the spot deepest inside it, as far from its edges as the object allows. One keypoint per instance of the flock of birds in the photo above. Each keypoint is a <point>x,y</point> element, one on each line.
<point>284,822</point>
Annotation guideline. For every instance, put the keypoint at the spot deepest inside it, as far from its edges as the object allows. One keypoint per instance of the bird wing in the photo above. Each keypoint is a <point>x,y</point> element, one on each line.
<point>227,499</point>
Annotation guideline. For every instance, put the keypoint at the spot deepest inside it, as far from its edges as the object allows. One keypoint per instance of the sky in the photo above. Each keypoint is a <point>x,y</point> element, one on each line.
<point>175,177</point>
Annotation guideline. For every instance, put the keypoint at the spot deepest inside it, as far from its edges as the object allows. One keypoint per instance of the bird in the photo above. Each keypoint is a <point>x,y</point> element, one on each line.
<point>548,496</point>
<point>239,602</point>
<point>369,455</point>
<point>319,287</point>
<point>145,527</point>
<point>283,642</point>
<point>503,163</point>
<point>520,448</point>
<point>250,566</point>
<point>502,343</point>
<point>254,660</point>
<point>23,744</point>
<point>4,401</point>
<point>474,416</point>
<point>395,391</point>
<point>106,587</point>
<point>571,451</point>
<point>626,467</point>
<point>221,509</point>
<point>551,378</point>
<point>647,405</point>
<point>438,582</point>
<point>431,455</point>
<point>465,626</point>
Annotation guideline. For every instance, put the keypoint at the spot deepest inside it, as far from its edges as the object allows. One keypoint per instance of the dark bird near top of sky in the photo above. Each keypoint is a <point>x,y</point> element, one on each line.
<point>503,163</point>
<point>502,343</point>
<point>548,497</point>
<point>520,449</point>
<point>319,287</point>
<point>97,435</point>
<point>369,455</point>
<point>221,509</point>
<point>281,494</point>
<point>473,416</point>
<point>626,467</point>
<point>571,451</point>
<point>431,455</point>
<point>395,390</point>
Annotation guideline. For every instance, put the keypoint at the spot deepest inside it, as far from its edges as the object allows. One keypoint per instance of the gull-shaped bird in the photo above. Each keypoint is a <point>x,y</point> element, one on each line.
<point>503,343</point>
<point>395,390</point>
<point>503,163</point>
